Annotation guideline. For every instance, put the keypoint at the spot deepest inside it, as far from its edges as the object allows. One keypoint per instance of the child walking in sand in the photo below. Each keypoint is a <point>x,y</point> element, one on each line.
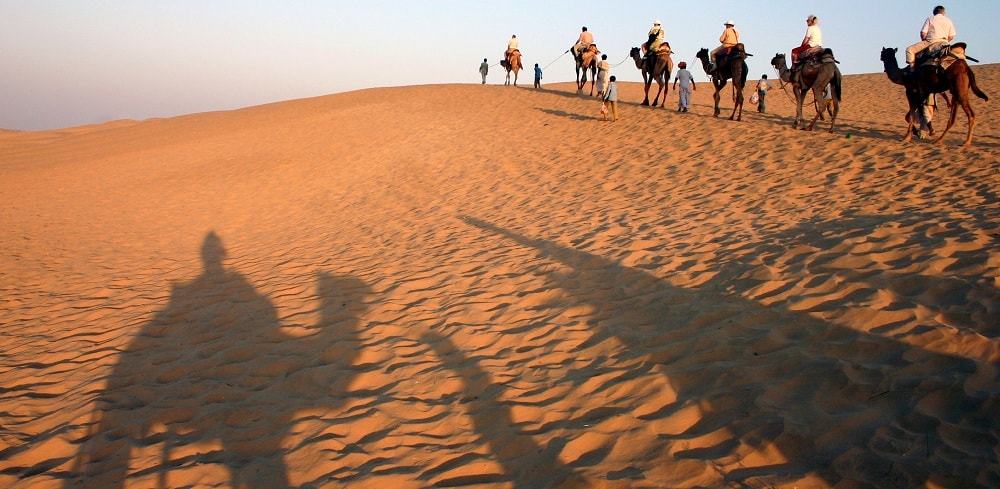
<point>610,102</point>
<point>687,86</point>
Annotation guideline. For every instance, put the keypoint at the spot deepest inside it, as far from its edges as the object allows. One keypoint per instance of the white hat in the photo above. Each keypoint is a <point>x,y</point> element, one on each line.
<point>656,22</point>
<point>730,22</point>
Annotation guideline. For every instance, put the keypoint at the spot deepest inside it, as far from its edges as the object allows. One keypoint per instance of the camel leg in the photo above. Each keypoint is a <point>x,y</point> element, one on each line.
<point>645,101</point>
<point>800,98</point>
<point>972,122</point>
<point>659,89</point>
<point>967,107</point>
<point>834,110</point>
<point>818,95</point>
<point>716,97</point>
<point>738,105</point>
<point>910,121</point>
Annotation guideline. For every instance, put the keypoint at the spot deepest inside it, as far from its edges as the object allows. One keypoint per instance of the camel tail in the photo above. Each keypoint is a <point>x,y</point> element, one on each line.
<point>835,85</point>
<point>975,88</point>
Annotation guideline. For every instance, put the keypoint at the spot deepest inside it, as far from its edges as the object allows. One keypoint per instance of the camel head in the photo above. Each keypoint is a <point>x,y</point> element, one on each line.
<point>888,54</point>
<point>702,54</point>
<point>778,61</point>
<point>634,52</point>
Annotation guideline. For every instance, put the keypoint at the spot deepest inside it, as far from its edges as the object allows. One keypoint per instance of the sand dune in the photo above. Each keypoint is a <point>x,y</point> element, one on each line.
<point>465,285</point>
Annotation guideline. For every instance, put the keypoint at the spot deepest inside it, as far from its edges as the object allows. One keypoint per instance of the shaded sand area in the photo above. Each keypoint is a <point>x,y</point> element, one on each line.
<point>485,286</point>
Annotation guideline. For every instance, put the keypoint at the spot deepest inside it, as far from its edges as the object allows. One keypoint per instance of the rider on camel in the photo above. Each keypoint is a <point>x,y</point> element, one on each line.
<point>582,42</point>
<point>730,38</point>
<point>655,37</point>
<point>811,43</point>
<point>512,46</point>
<point>936,31</point>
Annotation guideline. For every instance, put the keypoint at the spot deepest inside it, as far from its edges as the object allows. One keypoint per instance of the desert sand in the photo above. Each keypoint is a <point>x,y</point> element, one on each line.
<point>487,286</point>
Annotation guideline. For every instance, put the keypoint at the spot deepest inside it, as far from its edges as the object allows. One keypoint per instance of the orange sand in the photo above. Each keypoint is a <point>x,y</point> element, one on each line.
<point>465,285</point>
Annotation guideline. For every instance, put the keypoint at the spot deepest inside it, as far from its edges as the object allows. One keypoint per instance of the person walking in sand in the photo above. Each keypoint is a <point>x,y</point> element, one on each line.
<point>538,76</point>
<point>686,81</point>
<point>762,87</point>
<point>484,68</point>
<point>603,68</point>
<point>611,100</point>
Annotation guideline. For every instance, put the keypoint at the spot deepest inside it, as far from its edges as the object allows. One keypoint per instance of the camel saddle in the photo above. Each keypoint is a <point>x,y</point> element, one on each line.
<point>816,56</point>
<point>662,50</point>
<point>592,48</point>
<point>940,55</point>
<point>725,55</point>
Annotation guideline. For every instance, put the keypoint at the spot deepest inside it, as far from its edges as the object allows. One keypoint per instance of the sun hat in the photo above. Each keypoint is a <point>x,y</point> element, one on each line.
<point>656,22</point>
<point>730,22</point>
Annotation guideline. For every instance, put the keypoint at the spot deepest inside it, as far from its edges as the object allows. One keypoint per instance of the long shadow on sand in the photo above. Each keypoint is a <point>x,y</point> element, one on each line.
<point>567,115</point>
<point>213,380</point>
<point>834,402</point>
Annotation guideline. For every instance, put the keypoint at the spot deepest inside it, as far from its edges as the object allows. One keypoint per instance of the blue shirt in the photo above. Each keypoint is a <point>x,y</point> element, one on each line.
<point>538,72</point>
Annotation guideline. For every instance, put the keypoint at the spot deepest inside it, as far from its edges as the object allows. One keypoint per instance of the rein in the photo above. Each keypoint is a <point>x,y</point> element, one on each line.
<point>782,84</point>
<point>622,61</point>
<point>557,59</point>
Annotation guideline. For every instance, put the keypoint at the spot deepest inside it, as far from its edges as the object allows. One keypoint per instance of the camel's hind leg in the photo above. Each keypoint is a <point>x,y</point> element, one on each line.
<point>738,107</point>
<point>834,110</point>
<point>659,90</point>
<point>910,121</point>
<point>967,107</point>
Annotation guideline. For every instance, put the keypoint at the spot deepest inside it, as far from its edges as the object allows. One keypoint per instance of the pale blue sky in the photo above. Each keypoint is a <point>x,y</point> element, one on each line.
<point>72,62</point>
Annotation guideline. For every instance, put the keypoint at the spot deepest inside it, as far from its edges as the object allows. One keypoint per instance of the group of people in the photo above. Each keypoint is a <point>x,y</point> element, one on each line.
<point>936,32</point>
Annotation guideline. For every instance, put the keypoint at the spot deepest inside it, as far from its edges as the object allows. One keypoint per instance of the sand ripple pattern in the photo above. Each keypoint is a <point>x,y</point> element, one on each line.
<point>486,287</point>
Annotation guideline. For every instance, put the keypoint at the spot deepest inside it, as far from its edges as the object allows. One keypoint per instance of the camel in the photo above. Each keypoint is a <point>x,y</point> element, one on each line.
<point>658,69</point>
<point>812,76</point>
<point>513,62</point>
<point>958,78</point>
<point>587,59</point>
<point>725,71</point>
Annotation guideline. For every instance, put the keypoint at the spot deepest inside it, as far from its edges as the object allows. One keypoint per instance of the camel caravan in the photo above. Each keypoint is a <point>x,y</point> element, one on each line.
<point>935,66</point>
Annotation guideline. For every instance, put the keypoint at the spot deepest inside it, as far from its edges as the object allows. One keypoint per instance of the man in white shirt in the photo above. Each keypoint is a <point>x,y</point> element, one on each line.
<point>937,29</point>
<point>511,46</point>
<point>813,39</point>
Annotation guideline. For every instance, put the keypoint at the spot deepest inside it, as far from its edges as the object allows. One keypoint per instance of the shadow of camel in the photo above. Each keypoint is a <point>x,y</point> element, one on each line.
<point>525,463</point>
<point>836,403</point>
<point>213,380</point>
